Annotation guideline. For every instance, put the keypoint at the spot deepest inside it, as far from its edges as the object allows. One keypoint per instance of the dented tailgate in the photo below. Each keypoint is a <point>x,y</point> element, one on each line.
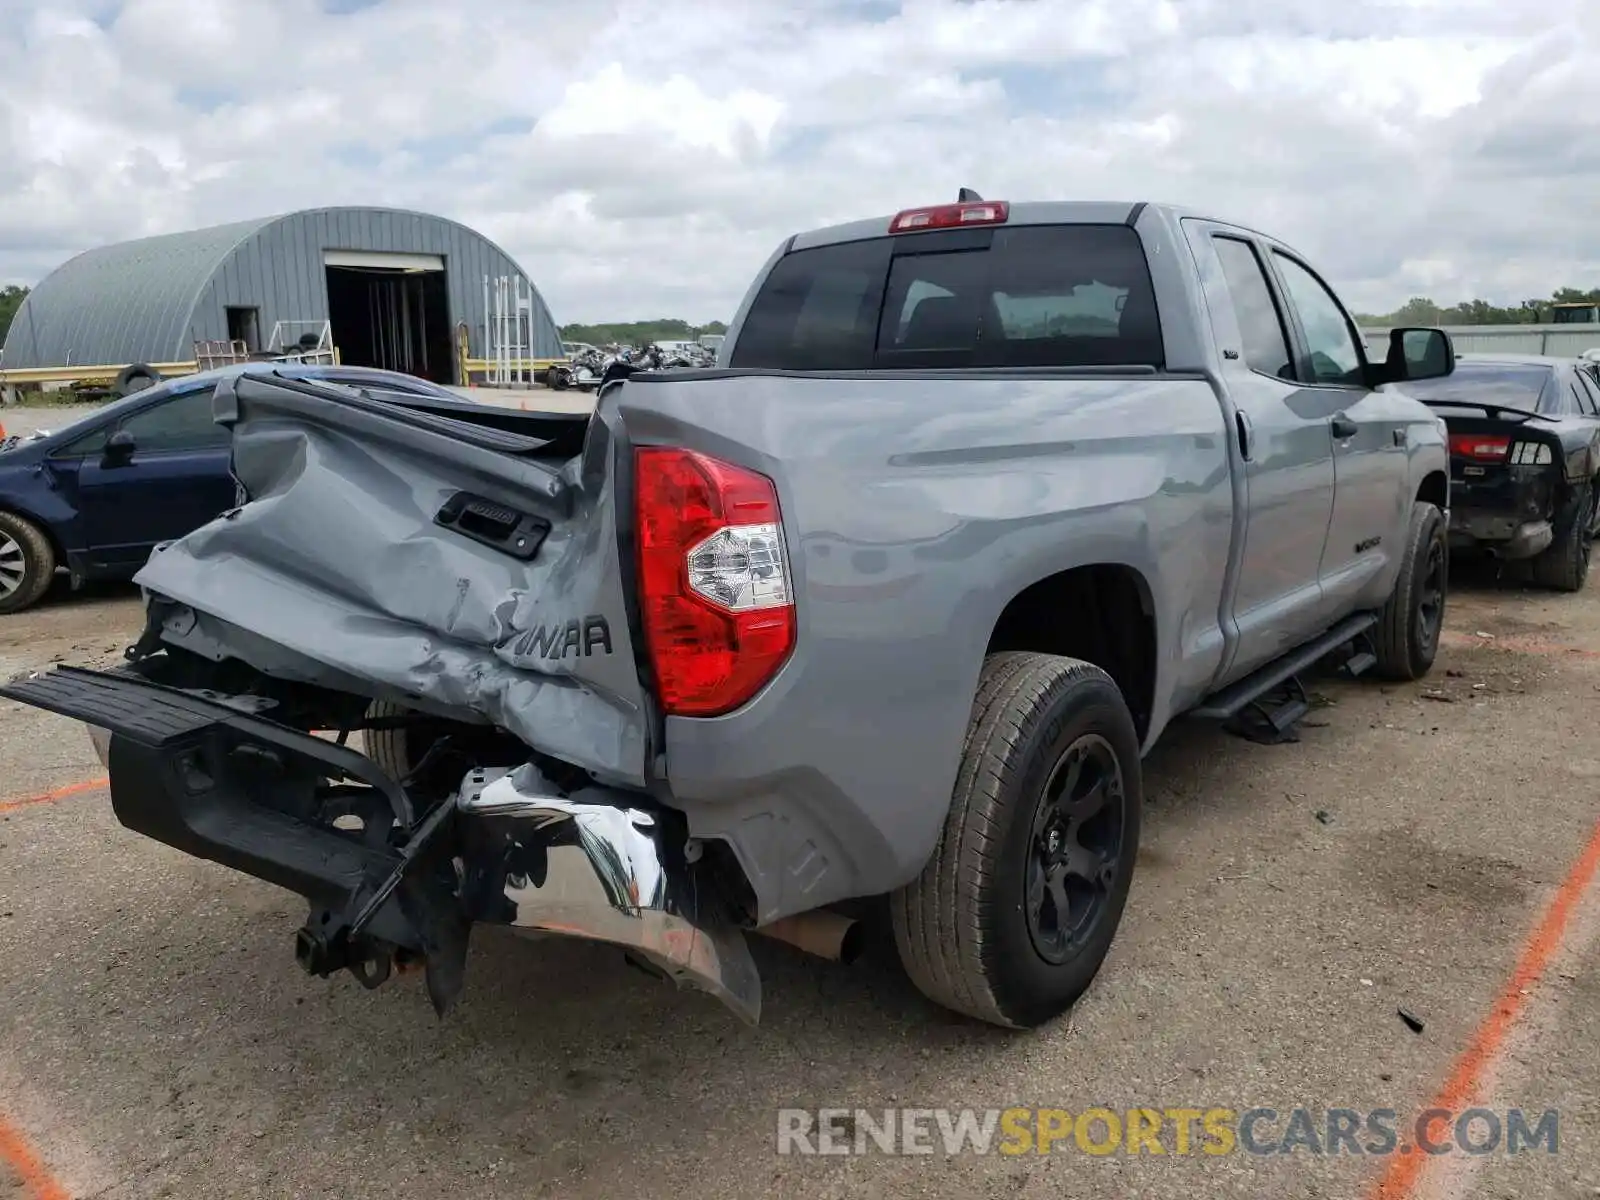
<point>390,550</point>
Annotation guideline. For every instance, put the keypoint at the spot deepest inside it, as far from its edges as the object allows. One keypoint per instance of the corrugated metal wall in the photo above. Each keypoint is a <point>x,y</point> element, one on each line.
<point>150,300</point>
<point>1560,340</point>
<point>129,302</point>
<point>279,269</point>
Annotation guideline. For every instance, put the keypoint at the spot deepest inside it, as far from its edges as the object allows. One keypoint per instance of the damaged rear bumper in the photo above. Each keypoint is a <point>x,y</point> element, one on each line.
<point>594,865</point>
<point>392,885</point>
<point>1505,537</point>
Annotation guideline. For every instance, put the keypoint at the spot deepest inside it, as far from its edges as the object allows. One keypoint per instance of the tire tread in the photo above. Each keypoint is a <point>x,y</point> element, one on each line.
<point>37,550</point>
<point>1562,566</point>
<point>940,917</point>
<point>387,747</point>
<point>1393,636</point>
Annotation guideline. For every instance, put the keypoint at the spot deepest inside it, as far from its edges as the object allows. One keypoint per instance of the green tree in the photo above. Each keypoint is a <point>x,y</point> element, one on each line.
<point>1420,310</point>
<point>11,298</point>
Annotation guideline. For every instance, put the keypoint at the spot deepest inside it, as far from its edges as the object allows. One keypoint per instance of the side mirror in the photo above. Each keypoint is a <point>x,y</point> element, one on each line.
<point>1418,354</point>
<point>119,449</point>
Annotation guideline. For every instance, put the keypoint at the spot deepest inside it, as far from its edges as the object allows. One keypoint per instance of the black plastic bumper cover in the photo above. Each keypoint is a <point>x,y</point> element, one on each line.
<point>223,784</point>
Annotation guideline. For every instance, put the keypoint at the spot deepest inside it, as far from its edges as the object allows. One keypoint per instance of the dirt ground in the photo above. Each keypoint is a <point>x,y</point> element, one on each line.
<point>19,419</point>
<point>1422,847</point>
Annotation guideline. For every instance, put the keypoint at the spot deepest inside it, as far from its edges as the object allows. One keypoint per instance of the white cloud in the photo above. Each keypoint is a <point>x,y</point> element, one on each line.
<point>642,159</point>
<point>676,111</point>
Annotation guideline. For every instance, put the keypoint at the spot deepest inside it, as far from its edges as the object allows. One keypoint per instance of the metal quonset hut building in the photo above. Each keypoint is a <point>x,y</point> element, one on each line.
<point>393,288</point>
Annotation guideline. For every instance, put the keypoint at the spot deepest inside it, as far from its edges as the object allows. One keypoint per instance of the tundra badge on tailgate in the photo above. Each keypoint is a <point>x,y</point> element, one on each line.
<point>579,638</point>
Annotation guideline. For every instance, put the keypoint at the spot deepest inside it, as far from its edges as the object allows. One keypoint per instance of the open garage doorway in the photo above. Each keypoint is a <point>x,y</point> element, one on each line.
<point>391,311</point>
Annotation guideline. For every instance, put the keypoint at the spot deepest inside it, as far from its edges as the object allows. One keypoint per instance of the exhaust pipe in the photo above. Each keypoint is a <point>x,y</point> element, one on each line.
<point>820,932</point>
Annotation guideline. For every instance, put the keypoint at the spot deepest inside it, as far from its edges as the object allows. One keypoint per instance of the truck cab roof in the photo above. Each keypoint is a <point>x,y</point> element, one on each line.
<point>1036,212</point>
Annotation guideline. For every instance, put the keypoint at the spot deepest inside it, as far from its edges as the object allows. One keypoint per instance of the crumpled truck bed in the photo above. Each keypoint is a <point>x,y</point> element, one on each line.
<point>367,560</point>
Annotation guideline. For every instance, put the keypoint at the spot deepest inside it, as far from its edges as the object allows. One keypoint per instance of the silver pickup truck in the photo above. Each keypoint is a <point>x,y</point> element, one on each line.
<point>978,499</point>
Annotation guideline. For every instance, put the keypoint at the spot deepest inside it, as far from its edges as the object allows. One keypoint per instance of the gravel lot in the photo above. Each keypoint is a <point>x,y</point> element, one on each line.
<point>156,1038</point>
<point>19,419</point>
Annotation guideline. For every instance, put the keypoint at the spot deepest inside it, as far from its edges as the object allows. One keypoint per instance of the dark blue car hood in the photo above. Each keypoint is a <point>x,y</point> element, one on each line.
<point>22,450</point>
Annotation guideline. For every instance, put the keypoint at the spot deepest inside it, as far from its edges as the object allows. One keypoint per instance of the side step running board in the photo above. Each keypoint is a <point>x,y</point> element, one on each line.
<point>1231,700</point>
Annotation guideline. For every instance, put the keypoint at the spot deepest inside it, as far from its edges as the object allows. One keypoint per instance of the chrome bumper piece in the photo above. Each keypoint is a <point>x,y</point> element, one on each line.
<point>594,865</point>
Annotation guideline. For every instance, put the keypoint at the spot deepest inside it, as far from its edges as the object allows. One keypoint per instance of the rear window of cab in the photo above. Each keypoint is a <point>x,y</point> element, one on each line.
<point>1021,296</point>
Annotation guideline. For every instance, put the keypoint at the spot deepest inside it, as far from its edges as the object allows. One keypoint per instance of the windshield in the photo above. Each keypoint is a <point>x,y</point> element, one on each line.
<point>1511,385</point>
<point>1031,295</point>
<point>1581,315</point>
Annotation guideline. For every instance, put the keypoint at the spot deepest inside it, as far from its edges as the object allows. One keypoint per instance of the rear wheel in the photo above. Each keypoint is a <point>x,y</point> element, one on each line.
<point>1407,636</point>
<point>1564,565</point>
<point>27,563</point>
<point>1014,913</point>
<point>395,750</point>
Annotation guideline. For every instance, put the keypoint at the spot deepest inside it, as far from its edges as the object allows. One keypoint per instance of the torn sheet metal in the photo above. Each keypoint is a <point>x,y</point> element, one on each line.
<point>340,568</point>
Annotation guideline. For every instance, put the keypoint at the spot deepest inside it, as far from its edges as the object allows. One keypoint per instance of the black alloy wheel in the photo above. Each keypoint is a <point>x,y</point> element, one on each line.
<point>1075,849</point>
<point>1430,597</point>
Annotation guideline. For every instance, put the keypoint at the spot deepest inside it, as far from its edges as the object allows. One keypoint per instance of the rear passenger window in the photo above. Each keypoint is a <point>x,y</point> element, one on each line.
<point>1034,296</point>
<point>1266,346</point>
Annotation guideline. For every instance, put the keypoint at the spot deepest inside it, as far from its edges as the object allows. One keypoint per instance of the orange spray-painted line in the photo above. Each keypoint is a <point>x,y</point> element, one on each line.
<point>1542,943</point>
<point>60,793</point>
<point>27,1166</point>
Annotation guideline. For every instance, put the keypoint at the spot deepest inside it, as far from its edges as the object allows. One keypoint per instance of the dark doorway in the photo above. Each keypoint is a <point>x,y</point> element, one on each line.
<point>398,320</point>
<point>244,325</point>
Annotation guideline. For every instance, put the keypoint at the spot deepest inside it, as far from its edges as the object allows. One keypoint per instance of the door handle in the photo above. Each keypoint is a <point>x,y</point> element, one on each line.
<point>1242,425</point>
<point>1344,427</point>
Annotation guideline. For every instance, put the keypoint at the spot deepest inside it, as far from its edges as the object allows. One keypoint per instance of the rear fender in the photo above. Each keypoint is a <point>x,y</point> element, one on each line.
<point>914,511</point>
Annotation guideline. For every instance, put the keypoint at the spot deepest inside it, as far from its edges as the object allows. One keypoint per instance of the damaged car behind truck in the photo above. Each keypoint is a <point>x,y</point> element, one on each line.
<point>893,600</point>
<point>1524,461</point>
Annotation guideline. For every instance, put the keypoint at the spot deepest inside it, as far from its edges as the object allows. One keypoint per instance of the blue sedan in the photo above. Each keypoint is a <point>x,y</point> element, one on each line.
<point>95,497</point>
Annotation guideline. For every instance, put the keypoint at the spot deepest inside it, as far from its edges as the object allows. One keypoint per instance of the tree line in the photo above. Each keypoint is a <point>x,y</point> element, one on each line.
<point>11,298</point>
<point>639,333</point>
<point>1420,310</point>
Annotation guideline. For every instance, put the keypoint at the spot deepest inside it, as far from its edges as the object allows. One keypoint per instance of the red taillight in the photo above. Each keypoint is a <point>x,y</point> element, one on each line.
<point>948,216</point>
<point>713,578</point>
<point>1484,446</point>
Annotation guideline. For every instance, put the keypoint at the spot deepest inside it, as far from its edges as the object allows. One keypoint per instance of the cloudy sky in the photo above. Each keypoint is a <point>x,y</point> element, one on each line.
<point>642,159</point>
